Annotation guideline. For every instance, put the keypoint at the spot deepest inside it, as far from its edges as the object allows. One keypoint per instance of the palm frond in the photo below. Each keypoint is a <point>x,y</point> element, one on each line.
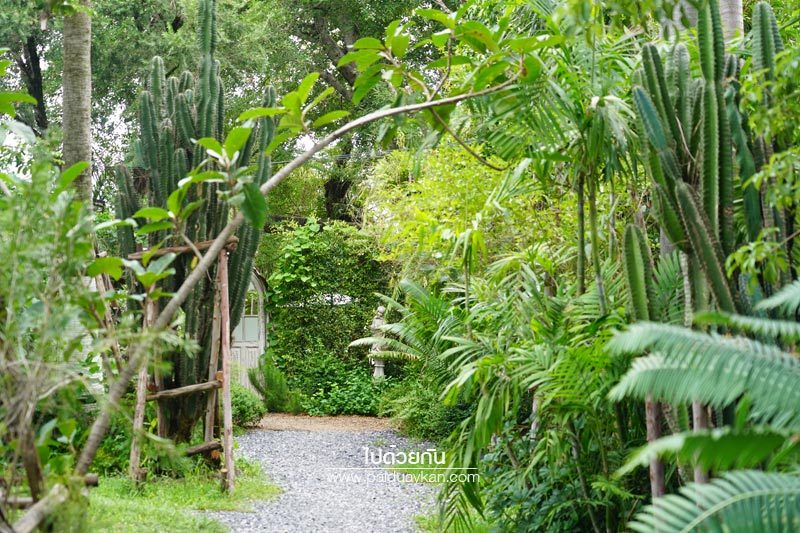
<point>743,500</point>
<point>766,327</point>
<point>669,288</point>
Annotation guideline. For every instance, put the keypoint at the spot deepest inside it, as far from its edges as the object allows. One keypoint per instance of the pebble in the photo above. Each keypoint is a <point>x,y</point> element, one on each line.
<point>326,487</point>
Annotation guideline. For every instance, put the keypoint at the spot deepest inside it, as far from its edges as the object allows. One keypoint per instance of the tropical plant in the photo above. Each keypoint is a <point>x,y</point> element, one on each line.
<point>760,376</point>
<point>173,113</point>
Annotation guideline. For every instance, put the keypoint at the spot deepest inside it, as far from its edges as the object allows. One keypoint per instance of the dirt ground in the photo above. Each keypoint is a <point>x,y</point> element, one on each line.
<point>348,423</point>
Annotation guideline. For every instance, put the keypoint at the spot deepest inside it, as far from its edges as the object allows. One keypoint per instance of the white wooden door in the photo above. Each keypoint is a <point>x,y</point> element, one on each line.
<point>249,337</point>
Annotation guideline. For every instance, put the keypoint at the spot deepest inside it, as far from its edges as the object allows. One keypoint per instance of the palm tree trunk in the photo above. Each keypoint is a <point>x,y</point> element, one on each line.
<point>730,13</point>
<point>77,99</point>
<point>581,238</point>
<point>595,239</point>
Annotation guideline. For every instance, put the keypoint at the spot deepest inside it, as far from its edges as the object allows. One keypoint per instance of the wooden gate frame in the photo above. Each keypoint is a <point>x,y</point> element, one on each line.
<point>220,350</point>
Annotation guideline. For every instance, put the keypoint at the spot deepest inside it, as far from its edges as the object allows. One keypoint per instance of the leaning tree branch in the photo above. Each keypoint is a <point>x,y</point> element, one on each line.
<point>138,353</point>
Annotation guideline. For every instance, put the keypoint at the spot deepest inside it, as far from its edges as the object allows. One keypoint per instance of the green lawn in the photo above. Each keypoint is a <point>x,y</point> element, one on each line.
<point>169,505</point>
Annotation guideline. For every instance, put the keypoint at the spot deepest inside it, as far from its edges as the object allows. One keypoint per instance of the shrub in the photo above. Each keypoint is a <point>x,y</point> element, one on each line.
<point>271,384</point>
<point>246,407</point>
<point>323,282</point>
<point>415,402</point>
<point>354,392</point>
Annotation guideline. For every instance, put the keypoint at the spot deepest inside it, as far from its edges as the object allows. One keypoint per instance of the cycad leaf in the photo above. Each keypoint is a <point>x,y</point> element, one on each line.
<point>717,449</point>
<point>687,365</point>
<point>787,300</point>
<point>776,329</point>
<point>743,500</point>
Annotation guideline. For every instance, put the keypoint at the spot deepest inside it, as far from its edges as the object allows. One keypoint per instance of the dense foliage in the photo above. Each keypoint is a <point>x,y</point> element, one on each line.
<point>581,217</point>
<point>323,282</point>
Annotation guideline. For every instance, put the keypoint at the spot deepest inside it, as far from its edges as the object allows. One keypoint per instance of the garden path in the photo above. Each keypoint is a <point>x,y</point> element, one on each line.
<point>319,463</point>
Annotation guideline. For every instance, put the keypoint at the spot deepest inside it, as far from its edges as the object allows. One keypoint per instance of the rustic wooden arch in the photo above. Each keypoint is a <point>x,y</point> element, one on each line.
<point>218,373</point>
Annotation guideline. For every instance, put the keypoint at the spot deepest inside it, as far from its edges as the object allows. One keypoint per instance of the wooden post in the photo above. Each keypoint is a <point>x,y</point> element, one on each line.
<point>158,379</point>
<point>225,353</point>
<point>141,400</point>
<point>213,363</point>
<point>39,512</point>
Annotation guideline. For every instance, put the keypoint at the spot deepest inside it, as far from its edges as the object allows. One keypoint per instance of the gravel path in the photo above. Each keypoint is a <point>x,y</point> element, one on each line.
<point>320,493</point>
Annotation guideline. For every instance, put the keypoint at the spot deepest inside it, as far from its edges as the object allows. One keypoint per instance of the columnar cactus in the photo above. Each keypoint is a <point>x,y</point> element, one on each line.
<point>172,113</point>
<point>693,129</point>
<point>688,127</point>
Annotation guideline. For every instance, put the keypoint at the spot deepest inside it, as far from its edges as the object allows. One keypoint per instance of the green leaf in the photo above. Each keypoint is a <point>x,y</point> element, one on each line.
<point>454,61</point>
<point>161,263</point>
<point>437,16</point>
<point>134,266</point>
<point>154,226</point>
<point>368,43</point>
<point>213,176</point>
<point>320,97</point>
<point>71,174</point>
<point>363,86</point>
<point>105,265</point>
<point>277,141</point>
<point>362,58</point>
<point>327,118</point>
<point>236,139</point>
<point>152,213</point>
<point>477,36</point>
<point>745,500</point>
<point>391,31</point>
<point>400,45</point>
<point>254,206</point>
<point>150,252</point>
<point>304,89</point>
<point>175,200</point>
<point>212,146</point>
<point>439,39</point>
<point>260,112</point>
<point>717,449</point>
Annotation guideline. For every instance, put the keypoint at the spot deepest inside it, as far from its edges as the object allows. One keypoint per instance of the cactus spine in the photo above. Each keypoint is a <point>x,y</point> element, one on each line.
<point>172,112</point>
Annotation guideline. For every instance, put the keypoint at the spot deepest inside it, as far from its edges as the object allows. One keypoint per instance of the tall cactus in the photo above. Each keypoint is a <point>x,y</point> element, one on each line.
<point>172,112</point>
<point>688,127</point>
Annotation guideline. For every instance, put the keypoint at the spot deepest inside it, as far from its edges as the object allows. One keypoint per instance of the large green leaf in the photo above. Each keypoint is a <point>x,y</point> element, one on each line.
<point>740,501</point>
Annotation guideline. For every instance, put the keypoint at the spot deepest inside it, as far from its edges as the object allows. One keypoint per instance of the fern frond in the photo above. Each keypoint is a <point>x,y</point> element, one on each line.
<point>687,365</point>
<point>787,300</point>
<point>743,500</point>
<point>718,449</point>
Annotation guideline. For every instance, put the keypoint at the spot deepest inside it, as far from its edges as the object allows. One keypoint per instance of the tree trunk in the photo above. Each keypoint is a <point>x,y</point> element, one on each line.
<point>581,238</point>
<point>730,13</point>
<point>31,69</point>
<point>77,99</point>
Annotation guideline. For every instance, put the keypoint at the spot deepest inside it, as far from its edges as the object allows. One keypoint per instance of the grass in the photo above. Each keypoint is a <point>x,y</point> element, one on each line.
<point>167,504</point>
<point>432,524</point>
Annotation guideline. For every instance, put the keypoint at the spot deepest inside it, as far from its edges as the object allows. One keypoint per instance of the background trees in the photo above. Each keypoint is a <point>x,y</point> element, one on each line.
<point>598,176</point>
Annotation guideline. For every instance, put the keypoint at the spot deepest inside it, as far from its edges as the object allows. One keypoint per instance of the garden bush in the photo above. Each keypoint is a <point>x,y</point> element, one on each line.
<point>271,384</point>
<point>246,407</point>
<point>315,312</point>
<point>352,392</point>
